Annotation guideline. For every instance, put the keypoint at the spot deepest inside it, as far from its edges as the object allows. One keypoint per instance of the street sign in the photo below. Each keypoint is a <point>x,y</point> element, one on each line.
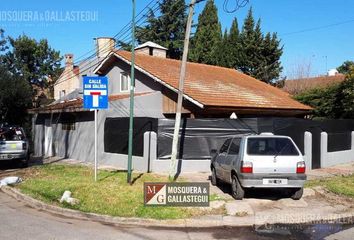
<point>95,92</point>
<point>95,97</point>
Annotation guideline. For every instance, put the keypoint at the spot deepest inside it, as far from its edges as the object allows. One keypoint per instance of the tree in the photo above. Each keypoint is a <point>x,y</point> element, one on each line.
<point>259,55</point>
<point>335,101</point>
<point>223,54</point>
<point>33,60</point>
<point>3,46</point>
<point>248,45</point>
<point>234,45</point>
<point>347,95</point>
<point>323,100</point>
<point>270,68</point>
<point>208,36</point>
<point>166,29</point>
<point>15,97</point>
<point>345,67</point>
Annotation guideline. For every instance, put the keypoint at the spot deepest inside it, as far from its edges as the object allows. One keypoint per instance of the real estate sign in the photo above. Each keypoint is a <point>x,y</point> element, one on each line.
<point>187,194</point>
<point>95,92</point>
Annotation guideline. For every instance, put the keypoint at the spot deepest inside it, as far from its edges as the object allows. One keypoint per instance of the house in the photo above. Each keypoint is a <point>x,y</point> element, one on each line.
<point>296,86</point>
<point>64,128</point>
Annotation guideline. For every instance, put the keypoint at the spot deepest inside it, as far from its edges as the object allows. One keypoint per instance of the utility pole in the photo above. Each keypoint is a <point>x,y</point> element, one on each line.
<point>131,116</point>
<point>180,91</point>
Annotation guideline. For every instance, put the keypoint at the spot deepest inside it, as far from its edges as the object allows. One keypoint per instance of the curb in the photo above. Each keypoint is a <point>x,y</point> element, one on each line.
<point>204,221</point>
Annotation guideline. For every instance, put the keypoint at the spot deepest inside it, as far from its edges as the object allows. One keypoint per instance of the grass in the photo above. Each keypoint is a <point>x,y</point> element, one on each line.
<point>110,195</point>
<point>342,185</point>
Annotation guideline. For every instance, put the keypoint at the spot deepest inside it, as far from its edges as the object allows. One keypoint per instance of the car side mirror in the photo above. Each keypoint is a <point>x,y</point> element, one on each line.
<point>213,152</point>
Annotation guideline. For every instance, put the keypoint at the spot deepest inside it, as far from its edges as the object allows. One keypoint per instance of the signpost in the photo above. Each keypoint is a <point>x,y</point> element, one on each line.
<point>95,97</point>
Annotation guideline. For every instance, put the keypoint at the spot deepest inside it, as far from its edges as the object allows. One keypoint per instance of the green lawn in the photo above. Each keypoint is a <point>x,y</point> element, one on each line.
<point>109,195</point>
<point>342,185</point>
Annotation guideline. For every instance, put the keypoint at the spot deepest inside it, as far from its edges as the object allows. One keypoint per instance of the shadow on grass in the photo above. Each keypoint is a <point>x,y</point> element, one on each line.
<point>137,177</point>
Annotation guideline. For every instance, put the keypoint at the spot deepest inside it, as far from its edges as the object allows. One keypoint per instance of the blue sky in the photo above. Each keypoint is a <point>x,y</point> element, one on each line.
<point>314,32</point>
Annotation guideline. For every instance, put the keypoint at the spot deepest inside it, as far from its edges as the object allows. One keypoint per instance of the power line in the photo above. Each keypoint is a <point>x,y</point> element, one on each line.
<point>317,28</point>
<point>106,49</point>
<point>238,4</point>
<point>123,29</point>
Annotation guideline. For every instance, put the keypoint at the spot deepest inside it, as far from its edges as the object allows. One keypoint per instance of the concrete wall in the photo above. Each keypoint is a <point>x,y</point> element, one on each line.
<point>79,143</point>
<point>163,165</point>
<point>333,158</point>
<point>308,149</point>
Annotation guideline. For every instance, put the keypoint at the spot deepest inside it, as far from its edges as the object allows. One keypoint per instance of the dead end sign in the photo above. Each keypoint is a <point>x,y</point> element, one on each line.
<point>95,92</point>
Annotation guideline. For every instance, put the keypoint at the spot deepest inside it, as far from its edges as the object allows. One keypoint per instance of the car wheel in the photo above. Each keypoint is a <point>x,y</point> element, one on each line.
<point>214,179</point>
<point>236,189</point>
<point>23,163</point>
<point>297,194</point>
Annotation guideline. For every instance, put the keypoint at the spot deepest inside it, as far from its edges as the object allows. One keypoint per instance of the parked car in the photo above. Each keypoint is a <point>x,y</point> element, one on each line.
<point>259,161</point>
<point>14,145</point>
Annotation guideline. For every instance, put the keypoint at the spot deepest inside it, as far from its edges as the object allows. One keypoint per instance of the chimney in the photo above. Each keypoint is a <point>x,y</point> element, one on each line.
<point>104,45</point>
<point>152,49</point>
<point>69,60</point>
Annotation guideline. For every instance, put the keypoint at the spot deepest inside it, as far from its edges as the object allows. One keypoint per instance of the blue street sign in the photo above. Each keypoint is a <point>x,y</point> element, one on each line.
<point>95,92</point>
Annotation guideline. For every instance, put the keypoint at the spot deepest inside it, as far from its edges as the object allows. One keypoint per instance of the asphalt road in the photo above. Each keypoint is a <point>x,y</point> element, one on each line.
<point>18,221</point>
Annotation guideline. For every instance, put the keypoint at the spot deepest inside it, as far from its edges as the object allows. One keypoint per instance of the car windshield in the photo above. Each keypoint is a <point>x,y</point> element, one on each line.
<point>271,146</point>
<point>11,134</point>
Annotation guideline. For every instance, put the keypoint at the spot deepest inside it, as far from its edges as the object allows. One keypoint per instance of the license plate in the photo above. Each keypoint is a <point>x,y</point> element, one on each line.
<point>13,146</point>
<point>275,181</point>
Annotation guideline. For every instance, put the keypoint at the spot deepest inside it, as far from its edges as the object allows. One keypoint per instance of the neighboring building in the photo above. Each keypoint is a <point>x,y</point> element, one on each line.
<point>296,86</point>
<point>71,78</point>
<point>64,128</point>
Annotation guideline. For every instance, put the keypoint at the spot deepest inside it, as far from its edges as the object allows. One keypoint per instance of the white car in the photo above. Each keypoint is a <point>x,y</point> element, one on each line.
<point>14,145</point>
<point>259,161</point>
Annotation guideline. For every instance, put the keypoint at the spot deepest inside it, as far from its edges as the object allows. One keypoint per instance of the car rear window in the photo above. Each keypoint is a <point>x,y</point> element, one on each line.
<point>271,146</point>
<point>11,134</point>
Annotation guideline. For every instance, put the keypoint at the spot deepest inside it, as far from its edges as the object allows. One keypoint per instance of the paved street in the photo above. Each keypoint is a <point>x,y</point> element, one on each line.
<point>18,221</point>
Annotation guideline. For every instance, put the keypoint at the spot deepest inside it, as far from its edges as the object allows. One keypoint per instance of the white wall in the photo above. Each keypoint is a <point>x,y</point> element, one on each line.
<point>308,150</point>
<point>333,158</point>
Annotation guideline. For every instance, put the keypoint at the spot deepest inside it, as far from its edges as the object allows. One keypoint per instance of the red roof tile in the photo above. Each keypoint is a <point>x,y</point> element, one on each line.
<point>296,86</point>
<point>216,86</point>
<point>77,103</point>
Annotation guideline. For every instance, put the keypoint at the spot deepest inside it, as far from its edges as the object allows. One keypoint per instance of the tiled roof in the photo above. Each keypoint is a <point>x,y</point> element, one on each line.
<point>296,86</point>
<point>76,104</point>
<point>216,86</point>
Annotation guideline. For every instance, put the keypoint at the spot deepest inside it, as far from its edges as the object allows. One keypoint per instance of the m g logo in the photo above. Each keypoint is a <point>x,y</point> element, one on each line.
<point>155,193</point>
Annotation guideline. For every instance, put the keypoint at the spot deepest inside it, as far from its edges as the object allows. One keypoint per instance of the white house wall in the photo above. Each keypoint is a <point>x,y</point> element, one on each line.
<point>333,158</point>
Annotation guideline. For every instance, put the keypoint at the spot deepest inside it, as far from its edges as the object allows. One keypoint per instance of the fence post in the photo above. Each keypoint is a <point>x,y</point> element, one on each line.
<point>308,149</point>
<point>324,149</point>
<point>150,150</point>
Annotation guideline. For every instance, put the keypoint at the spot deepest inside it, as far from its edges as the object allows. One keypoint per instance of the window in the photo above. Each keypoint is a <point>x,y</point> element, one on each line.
<point>11,134</point>
<point>235,146</point>
<point>225,146</point>
<point>68,126</point>
<point>124,82</point>
<point>271,146</point>
<point>67,121</point>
